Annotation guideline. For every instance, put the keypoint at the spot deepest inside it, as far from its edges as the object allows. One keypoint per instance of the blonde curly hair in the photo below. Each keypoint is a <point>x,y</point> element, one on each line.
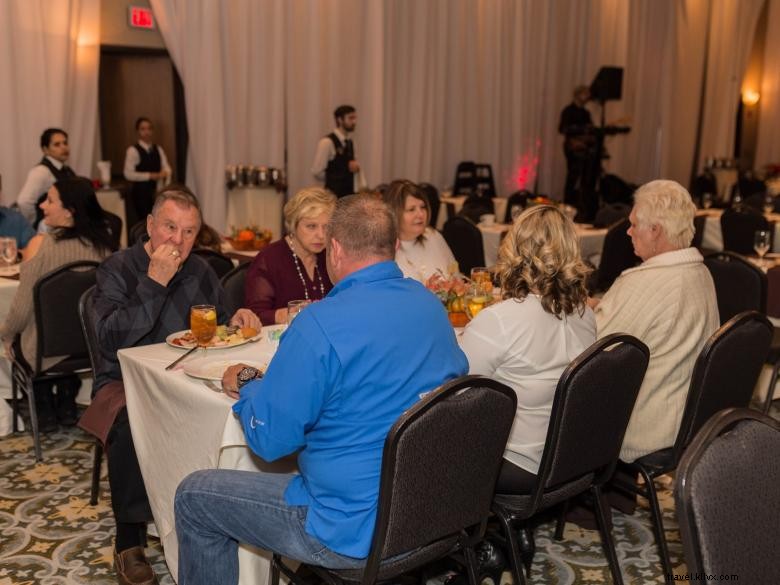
<point>541,255</point>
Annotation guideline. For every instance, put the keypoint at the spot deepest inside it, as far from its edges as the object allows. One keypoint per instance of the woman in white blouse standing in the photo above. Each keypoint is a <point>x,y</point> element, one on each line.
<point>529,338</point>
<point>423,251</point>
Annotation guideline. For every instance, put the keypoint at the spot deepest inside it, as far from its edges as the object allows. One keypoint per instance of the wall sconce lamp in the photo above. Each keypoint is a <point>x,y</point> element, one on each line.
<point>750,97</point>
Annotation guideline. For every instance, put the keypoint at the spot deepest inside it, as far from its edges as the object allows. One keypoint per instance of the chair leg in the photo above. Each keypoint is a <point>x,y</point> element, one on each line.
<point>34,422</point>
<point>658,522</point>
<point>512,546</point>
<point>97,460</point>
<point>275,570</point>
<point>561,523</point>
<point>606,534</point>
<point>471,563</point>
<point>14,400</point>
<point>770,392</point>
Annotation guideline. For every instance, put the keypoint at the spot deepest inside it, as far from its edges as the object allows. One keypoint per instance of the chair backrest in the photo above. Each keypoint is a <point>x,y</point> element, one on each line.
<point>617,254</point>
<point>433,202</point>
<point>114,228</point>
<point>727,499</point>
<point>739,284</point>
<point>475,206</point>
<point>439,466</point>
<point>136,232</point>
<point>465,178</point>
<point>89,327</point>
<point>725,372</point>
<point>233,283</point>
<point>609,215</point>
<point>704,183</point>
<point>516,199</point>
<point>739,226</point>
<point>219,263</point>
<point>593,403</point>
<point>465,241</point>
<point>56,298</point>
<point>699,224</point>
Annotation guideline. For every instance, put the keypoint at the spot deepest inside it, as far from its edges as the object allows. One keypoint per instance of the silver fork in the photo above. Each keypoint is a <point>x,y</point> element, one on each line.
<point>212,386</point>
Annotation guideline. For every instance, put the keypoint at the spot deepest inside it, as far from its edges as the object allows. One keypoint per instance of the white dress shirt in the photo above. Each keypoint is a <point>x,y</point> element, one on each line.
<point>39,180</point>
<point>521,345</point>
<point>325,153</point>
<point>132,159</point>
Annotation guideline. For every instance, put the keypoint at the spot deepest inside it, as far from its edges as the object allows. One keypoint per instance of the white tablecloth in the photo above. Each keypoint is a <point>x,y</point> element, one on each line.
<point>260,206</point>
<point>111,200</point>
<point>179,426</point>
<point>591,241</point>
<point>7,290</point>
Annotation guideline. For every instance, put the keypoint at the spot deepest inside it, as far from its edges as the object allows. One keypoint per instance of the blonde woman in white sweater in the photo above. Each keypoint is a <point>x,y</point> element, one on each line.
<point>669,303</point>
<point>78,231</point>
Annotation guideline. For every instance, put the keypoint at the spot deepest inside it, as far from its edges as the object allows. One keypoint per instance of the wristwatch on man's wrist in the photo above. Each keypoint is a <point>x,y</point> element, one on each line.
<point>247,375</point>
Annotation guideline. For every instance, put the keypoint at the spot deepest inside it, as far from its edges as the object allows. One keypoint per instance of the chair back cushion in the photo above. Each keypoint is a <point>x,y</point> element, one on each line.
<point>219,263</point>
<point>739,227</point>
<point>728,502</point>
<point>56,298</point>
<point>591,409</point>
<point>617,255</point>
<point>739,285</point>
<point>725,372</point>
<point>233,283</point>
<point>89,327</point>
<point>440,463</point>
<point>465,241</point>
<point>114,228</point>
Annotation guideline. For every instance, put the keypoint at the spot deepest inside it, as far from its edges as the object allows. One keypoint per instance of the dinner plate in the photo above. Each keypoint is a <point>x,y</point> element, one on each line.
<point>213,368</point>
<point>172,336</point>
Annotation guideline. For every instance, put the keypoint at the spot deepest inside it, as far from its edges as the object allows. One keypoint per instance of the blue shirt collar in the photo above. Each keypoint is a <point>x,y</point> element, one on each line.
<point>379,271</point>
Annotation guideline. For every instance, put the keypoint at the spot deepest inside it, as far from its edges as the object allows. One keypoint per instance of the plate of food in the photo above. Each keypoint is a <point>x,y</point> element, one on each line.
<point>224,338</point>
<point>213,368</point>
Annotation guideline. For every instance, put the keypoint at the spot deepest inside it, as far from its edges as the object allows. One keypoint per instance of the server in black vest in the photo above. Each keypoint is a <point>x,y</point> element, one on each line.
<point>334,161</point>
<point>145,165</point>
<point>52,168</point>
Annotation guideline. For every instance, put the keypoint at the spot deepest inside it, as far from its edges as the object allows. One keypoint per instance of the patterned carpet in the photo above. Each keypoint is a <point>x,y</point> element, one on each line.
<point>50,535</point>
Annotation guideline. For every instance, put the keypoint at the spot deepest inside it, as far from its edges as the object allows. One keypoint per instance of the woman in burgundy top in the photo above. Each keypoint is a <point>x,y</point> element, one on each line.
<point>292,268</point>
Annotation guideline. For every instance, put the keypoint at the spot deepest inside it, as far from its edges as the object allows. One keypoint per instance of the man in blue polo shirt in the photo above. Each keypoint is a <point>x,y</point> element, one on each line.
<point>346,369</point>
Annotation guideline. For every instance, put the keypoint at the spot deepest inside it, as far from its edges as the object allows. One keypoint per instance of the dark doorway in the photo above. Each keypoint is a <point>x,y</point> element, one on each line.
<point>141,82</point>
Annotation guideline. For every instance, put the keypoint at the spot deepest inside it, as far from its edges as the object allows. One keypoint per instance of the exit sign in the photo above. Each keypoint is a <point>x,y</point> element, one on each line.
<point>141,17</point>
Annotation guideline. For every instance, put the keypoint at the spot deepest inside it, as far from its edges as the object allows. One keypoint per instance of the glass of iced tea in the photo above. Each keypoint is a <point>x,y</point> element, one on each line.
<point>482,278</point>
<point>203,323</point>
<point>476,299</point>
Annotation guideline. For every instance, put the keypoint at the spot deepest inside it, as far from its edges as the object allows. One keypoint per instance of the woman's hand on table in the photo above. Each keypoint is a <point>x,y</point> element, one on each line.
<point>246,318</point>
<point>230,380</point>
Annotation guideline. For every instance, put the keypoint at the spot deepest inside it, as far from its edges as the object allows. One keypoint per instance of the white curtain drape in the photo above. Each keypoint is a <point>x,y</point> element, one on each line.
<point>768,148</point>
<point>442,81</point>
<point>49,64</point>
<point>230,57</point>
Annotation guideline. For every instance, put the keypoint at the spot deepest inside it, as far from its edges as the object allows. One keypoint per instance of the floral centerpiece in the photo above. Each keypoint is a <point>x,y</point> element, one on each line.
<point>249,238</point>
<point>451,290</point>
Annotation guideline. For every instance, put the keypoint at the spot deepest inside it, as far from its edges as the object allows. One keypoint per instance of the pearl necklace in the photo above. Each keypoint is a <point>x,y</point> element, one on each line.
<point>300,272</point>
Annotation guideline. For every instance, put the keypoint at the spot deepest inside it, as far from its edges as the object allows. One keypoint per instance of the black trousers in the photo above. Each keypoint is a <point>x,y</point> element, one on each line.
<point>128,493</point>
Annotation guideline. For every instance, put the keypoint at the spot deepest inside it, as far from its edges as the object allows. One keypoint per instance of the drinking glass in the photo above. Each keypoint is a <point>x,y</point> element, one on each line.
<point>481,277</point>
<point>476,300</point>
<point>769,204</point>
<point>8,251</point>
<point>761,243</point>
<point>515,212</point>
<point>706,200</point>
<point>295,307</point>
<point>203,323</point>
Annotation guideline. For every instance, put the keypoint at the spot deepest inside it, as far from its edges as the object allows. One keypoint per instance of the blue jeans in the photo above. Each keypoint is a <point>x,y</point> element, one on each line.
<point>218,508</point>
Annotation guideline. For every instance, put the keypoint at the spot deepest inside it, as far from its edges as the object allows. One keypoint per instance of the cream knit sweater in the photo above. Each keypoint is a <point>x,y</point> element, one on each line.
<point>21,317</point>
<point>669,303</point>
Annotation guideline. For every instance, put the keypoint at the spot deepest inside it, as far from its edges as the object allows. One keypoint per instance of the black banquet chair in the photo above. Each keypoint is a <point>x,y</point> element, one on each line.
<point>219,263</point>
<point>592,405</point>
<point>233,283</point>
<point>114,228</point>
<point>727,499</point>
<point>516,199</point>
<point>739,226</point>
<point>136,232</point>
<point>439,467</point>
<point>465,240</point>
<point>89,329</point>
<point>55,303</point>
<point>617,255</point>
<point>724,376</point>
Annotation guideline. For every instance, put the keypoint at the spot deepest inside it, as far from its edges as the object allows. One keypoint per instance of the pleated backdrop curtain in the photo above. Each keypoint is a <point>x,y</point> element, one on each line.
<point>49,67</point>
<point>442,81</point>
<point>768,148</point>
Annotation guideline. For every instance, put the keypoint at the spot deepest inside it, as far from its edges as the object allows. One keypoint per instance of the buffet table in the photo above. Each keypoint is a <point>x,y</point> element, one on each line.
<point>260,206</point>
<point>179,426</point>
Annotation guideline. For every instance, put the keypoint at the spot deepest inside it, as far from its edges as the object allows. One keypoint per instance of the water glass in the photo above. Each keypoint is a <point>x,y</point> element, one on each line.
<point>295,307</point>
<point>706,200</point>
<point>482,278</point>
<point>515,211</point>
<point>769,204</point>
<point>8,251</point>
<point>761,243</point>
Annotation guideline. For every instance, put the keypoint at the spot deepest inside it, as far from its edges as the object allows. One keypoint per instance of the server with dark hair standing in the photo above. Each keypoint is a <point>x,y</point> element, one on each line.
<point>52,168</point>
<point>334,161</point>
<point>145,165</point>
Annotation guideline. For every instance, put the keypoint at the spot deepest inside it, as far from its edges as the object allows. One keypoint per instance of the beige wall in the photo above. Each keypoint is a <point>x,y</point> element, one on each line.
<point>115,30</point>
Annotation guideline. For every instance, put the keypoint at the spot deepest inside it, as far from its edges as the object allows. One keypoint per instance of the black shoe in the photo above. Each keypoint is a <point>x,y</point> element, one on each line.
<point>44,409</point>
